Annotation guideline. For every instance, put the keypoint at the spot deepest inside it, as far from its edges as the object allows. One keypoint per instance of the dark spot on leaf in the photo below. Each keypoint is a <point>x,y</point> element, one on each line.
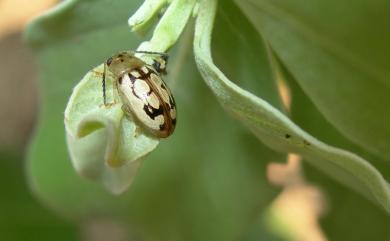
<point>306,143</point>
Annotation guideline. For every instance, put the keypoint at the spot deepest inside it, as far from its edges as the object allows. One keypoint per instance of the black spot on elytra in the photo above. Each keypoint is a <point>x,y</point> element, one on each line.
<point>132,78</point>
<point>174,121</point>
<point>120,79</point>
<point>162,126</point>
<point>287,136</point>
<point>143,75</point>
<point>153,112</point>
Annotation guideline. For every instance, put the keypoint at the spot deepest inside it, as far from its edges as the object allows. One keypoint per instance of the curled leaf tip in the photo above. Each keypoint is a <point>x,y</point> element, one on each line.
<point>102,142</point>
<point>145,15</point>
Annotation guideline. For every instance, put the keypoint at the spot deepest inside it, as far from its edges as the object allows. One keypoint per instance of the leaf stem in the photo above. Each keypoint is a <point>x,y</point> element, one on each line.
<point>170,27</point>
<point>145,14</point>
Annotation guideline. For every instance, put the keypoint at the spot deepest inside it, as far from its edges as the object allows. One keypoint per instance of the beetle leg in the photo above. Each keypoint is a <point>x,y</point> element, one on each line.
<point>126,111</point>
<point>104,88</point>
<point>104,85</point>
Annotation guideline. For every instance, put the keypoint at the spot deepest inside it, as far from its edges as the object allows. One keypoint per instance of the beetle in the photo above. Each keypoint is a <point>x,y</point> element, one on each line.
<point>145,96</point>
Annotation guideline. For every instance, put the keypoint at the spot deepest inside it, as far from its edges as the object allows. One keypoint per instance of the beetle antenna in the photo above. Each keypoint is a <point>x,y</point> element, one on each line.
<point>104,85</point>
<point>150,52</point>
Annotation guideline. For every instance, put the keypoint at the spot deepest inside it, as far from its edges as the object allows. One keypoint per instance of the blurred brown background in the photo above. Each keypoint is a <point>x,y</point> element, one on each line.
<point>18,92</point>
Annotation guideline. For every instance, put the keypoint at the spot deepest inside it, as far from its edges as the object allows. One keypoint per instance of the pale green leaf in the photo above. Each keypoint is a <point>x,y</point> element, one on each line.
<point>146,14</point>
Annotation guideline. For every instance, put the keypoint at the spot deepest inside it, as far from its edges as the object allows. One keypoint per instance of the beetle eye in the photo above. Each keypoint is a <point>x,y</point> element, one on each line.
<point>157,65</point>
<point>165,58</point>
<point>109,61</point>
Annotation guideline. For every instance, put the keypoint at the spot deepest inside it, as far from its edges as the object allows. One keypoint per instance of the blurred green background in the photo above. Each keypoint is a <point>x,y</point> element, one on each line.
<point>314,210</point>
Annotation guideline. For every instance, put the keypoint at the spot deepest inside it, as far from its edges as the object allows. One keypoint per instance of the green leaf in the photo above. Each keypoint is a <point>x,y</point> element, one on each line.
<point>206,182</point>
<point>338,53</point>
<point>275,129</point>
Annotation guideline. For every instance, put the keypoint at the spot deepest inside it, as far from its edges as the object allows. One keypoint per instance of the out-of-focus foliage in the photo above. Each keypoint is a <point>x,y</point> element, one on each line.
<point>22,217</point>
